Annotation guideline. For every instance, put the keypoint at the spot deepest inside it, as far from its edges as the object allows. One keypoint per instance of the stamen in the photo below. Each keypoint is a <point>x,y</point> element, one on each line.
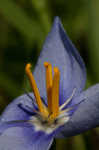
<point>35,89</point>
<point>55,94</point>
<point>68,100</point>
<point>71,108</point>
<point>49,84</point>
<point>66,110</point>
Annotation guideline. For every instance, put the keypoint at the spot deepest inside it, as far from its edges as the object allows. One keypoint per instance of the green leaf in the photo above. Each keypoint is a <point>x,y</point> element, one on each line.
<point>9,86</point>
<point>94,38</point>
<point>18,18</point>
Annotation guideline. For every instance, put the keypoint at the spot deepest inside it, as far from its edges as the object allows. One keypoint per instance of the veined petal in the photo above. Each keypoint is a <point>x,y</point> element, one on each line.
<point>36,142</point>
<point>21,134</point>
<point>11,124</point>
<point>87,114</point>
<point>60,52</point>
<point>14,112</point>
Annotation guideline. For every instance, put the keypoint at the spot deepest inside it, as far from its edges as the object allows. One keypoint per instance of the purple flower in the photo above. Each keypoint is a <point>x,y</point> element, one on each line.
<point>60,108</point>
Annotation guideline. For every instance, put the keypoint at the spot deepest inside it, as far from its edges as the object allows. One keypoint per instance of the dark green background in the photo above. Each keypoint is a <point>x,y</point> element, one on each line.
<point>24,24</point>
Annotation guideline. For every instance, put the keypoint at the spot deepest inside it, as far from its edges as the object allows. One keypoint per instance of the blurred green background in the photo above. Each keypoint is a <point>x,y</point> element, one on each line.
<point>24,24</point>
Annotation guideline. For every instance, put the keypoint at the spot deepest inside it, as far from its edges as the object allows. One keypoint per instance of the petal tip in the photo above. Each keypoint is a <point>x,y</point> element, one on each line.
<point>56,23</point>
<point>57,20</point>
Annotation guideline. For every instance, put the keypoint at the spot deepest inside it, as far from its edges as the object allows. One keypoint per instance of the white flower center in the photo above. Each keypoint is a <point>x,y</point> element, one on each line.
<point>48,127</point>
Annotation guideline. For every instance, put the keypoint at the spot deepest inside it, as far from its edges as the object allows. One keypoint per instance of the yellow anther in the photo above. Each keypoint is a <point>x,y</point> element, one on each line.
<point>41,107</point>
<point>55,94</point>
<point>49,84</point>
<point>52,88</point>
